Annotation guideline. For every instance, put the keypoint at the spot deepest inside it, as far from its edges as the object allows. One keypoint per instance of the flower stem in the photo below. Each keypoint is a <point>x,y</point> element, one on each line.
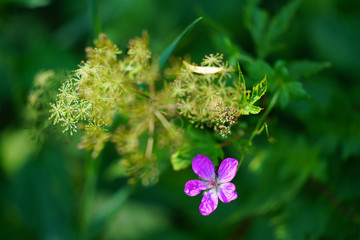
<point>150,141</point>
<point>135,89</point>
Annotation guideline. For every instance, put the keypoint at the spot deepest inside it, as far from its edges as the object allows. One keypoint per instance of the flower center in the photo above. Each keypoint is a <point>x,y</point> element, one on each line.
<point>212,183</point>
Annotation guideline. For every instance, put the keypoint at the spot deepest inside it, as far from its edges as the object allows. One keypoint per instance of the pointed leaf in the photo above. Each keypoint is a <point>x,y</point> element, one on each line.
<point>306,68</point>
<point>296,89</point>
<point>281,21</point>
<point>242,83</point>
<point>109,210</point>
<point>258,69</point>
<point>254,109</point>
<point>255,20</point>
<point>247,110</point>
<point>258,91</point>
<point>166,54</point>
<point>284,96</point>
<point>199,142</point>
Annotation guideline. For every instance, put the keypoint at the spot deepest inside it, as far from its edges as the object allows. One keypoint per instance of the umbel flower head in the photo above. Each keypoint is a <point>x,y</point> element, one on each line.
<point>214,186</point>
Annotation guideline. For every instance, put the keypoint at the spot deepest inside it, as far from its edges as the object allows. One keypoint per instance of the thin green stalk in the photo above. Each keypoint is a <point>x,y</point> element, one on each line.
<point>135,89</point>
<point>94,19</point>
<point>150,141</point>
<point>261,121</point>
<point>87,202</point>
<point>263,117</point>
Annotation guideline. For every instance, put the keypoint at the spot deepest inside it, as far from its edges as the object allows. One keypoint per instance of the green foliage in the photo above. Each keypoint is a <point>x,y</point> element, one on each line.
<point>37,109</point>
<point>207,98</point>
<point>251,98</point>
<point>306,68</point>
<point>166,54</point>
<point>13,159</point>
<point>198,142</point>
<point>265,31</point>
<point>299,151</point>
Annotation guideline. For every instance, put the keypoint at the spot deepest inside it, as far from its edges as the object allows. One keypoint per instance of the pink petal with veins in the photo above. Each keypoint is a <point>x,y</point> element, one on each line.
<point>227,170</point>
<point>226,192</point>
<point>194,187</point>
<point>209,202</point>
<point>203,167</point>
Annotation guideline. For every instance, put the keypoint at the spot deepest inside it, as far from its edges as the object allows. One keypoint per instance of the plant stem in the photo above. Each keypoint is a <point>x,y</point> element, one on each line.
<point>92,168</point>
<point>94,19</point>
<point>150,142</point>
<point>261,121</point>
<point>135,89</point>
<point>263,117</point>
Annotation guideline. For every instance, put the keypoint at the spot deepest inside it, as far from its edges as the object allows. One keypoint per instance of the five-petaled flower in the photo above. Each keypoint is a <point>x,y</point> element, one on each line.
<point>214,186</point>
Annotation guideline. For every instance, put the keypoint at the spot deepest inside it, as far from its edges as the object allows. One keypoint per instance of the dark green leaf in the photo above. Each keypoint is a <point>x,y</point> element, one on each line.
<point>296,89</point>
<point>109,210</point>
<point>258,69</point>
<point>306,68</point>
<point>200,142</point>
<point>281,21</point>
<point>255,20</point>
<point>30,3</point>
<point>166,54</point>
<point>228,47</point>
<point>291,89</point>
<point>284,96</point>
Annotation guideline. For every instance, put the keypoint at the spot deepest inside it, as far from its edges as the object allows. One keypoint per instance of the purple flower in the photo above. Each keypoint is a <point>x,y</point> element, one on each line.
<point>214,187</point>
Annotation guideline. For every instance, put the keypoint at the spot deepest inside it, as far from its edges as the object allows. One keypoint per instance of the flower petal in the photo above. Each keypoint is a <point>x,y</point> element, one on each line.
<point>209,202</point>
<point>226,192</point>
<point>227,170</point>
<point>194,187</point>
<point>203,167</point>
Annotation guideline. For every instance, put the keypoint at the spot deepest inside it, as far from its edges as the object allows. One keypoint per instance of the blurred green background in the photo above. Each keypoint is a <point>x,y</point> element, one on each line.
<point>306,185</point>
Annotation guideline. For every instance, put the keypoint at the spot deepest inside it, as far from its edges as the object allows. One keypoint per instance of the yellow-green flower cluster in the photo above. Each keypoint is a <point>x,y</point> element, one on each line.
<point>206,96</point>
<point>104,87</point>
<point>37,107</point>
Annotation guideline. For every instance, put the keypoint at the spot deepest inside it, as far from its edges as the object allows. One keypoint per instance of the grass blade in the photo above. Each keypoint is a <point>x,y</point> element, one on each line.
<point>166,54</point>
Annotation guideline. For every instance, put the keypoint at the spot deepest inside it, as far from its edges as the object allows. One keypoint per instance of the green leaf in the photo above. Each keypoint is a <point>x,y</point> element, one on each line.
<point>296,89</point>
<point>255,109</point>
<point>306,68</point>
<point>263,31</point>
<point>10,144</point>
<point>281,21</point>
<point>284,96</point>
<point>251,110</point>
<point>291,89</point>
<point>279,172</point>
<point>258,69</point>
<point>166,54</point>
<point>229,48</point>
<point>109,210</point>
<point>200,142</point>
<point>181,159</point>
<point>139,220</point>
<point>255,20</point>
<point>30,3</point>
<point>258,91</point>
<point>242,83</point>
